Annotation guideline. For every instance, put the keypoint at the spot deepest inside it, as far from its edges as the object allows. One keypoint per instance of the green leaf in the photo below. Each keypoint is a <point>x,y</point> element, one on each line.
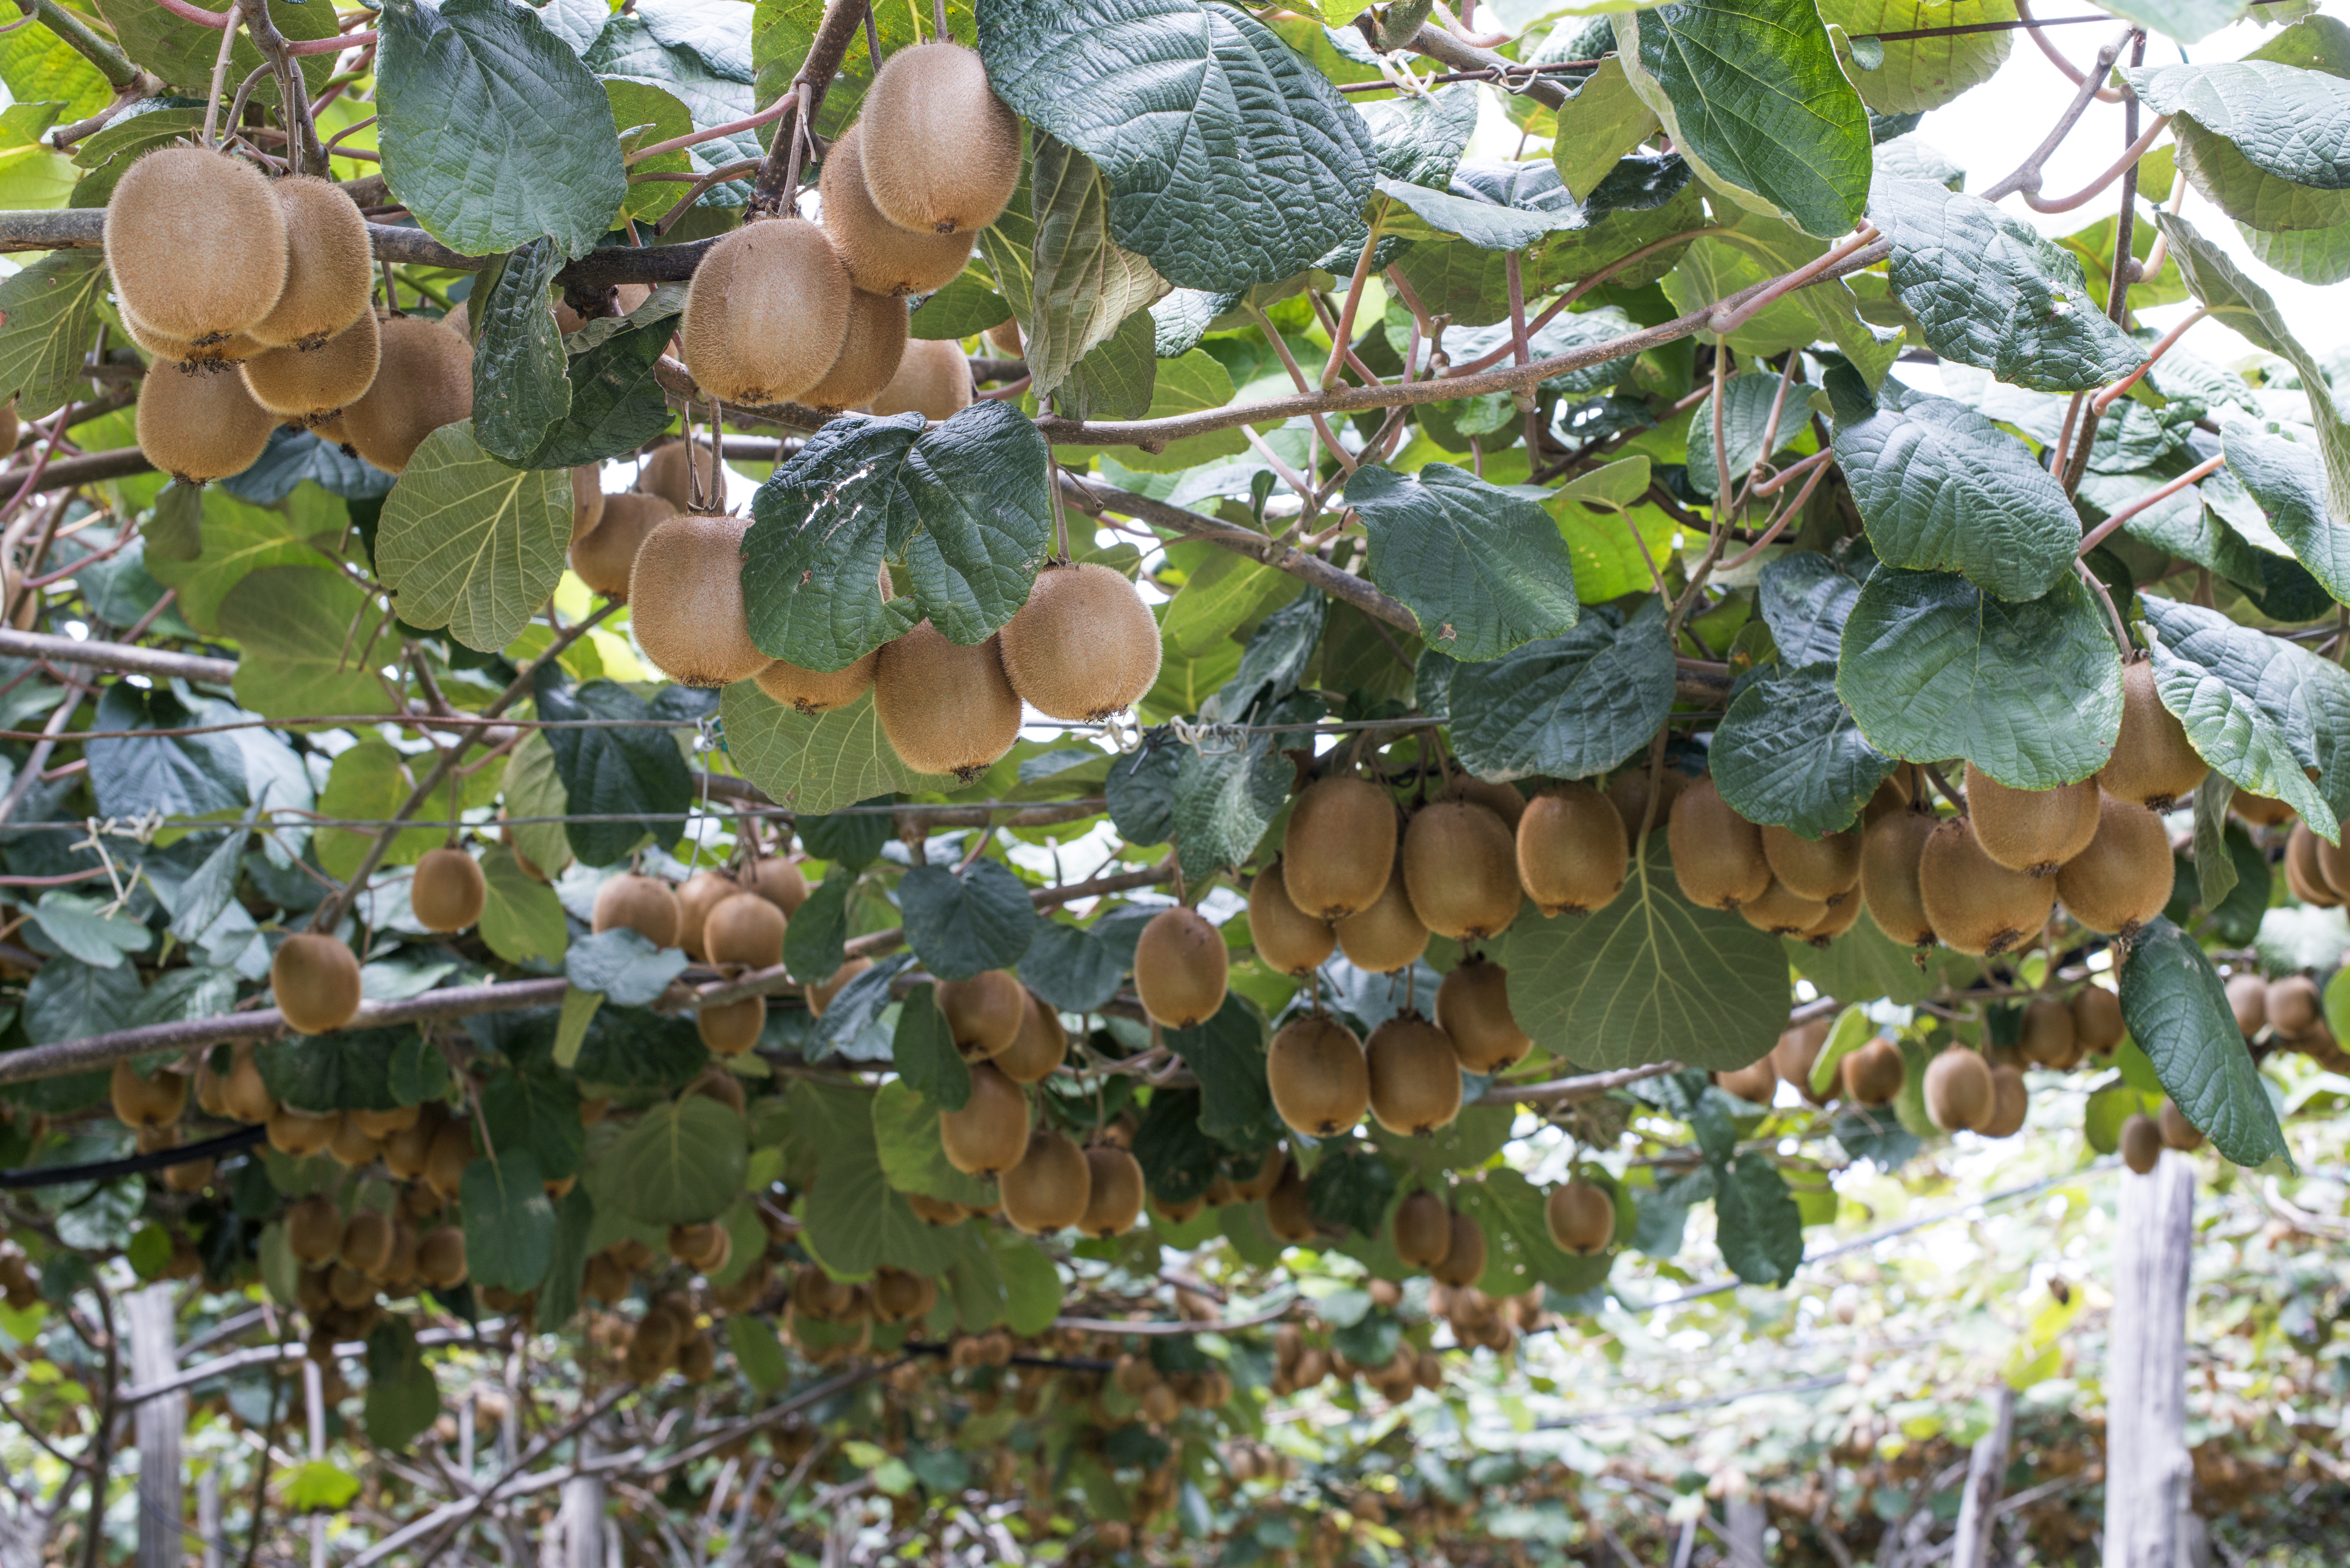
<point>1116,378</point>
<point>2178,1012</point>
<point>558,1290</point>
<point>509,1222</point>
<point>815,936</point>
<point>1421,138</point>
<point>2250,704</point>
<point>1466,1143</point>
<point>1032,1286</point>
<point>1651,978</point>
<point>2215,867</point>
<point>616,403</point>
<point>1598,125</point>
<point>520,389</point>
<point>300,632</point>
<point>1085,284</point>
<point>369,782</point>
<point>183,53</point>
<point>1225,592</point>
<point>236,538</point>
<point>1933,668</point>
<point>1071,968</point>
<point>906,1140</point>
<point>2288,480</point>
<point>522,920</point>
<point>351,1069</point>
<point>1569,706</point>
<point>580,1010</point>
<point>1805,599</point>
<point>493,131</point>
<point>1789,753</point>
<point>1230,161</point>
<point>1751,94</point>
<point>923,1051</point>
<point>2268,142</point>
<point>631,772</point>
<point>643,114</point>
<point>1487,224</point>
<point>856,1221</point>
<point>469,543</point>
<point>1519,1254</point>
<point>72,921</point>
<point>1223,800</point>
<point>1746,401</point>
<point>402,1400</point>
<point>1227,1055</point>
<point>1852,1030</point>
<point>2185,21</point>
<point>1942,489</point>
<point>1350,1187</point>
<point>962,926</point>
<point>814,764</point>
<point>758,1355</point>
<point>537,1113</point>
<point>39,66</point>
<point>1918,74</point>
<point>1179,1161</point>
<point>45,321</point>
<point>963,308</point>
<point>533,787</point>
<point>316,1486</point>
<point>2321,257</point>
<point>1757,1224</point>
<point>682,1164</point>
<point>1483,570</point>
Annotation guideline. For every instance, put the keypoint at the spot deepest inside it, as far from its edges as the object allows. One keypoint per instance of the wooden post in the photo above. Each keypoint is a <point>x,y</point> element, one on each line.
<point>208,1514</point>
<point>1744,1522</point>
<point>2148,1473</point>
<point>1986,1473</point>
<point>158,1424</point>
<point>314,1399</point>
<point>580,1519</point>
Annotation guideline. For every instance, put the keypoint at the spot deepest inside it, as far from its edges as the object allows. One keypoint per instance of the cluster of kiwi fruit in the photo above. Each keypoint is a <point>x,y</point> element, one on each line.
<point>1044,1180</point>
<point>2143,1138</point>
<point>1164,1397</point>
<point>1298,1365</point>
<point>20,1282</point>
<point>732,920</point>
<point>218,268</point>
<point>1870,1075</point>
<point>892,1296</point>
<point>2292,1012</point>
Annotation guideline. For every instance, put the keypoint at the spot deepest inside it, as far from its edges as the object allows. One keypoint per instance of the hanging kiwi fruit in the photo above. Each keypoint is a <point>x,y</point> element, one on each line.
<point>1873,1075</point>
<point>990,1134</point>
<point>880,256</point>
<point>1472,1008</point>
<point>1288,1208</point>
<point>423,380</point>
<point>2176,1131</point>
<point>199,428</point>
<point>1461,867</point>
<point>1320,1080</point>
<point>1959,1090</point>
<point>1049,1188</point>
<point>1422,1230</point>
<point>2304,873</point>
<point>1572,850</point>
<point>2047,1034</point>
<point>309,387</point>
<point>1415,1075</point>
<point>1891,853</point>
<point>2154,765</point>
<point>984,1014</point>
<point>606,555</point>
<point>2031,830</point>
<point>449,892</point>
<point>1716,854</point>
<point>1782,912</point>
<point>329,265</point>
<point>316,982</point>
<point>1973,903</point>
<point>645,905</point>
<point>945,708</point>
<point>767,312</point>
<point>2122,879</point>
<point>820,993</point>
<point>1288,940</point>
<point>195,242</point>
<point>685,600</point>
<point>1819,868</point>
<point>1581,1218</point>
<point>933,379</point>
<point>1038,1047</point>
<point>1386,936</point>
<point>1084,647</point>
<point>744,929</point>
<point>731,1028</point>
<point>1464,1257</point>
<point>1180,969</point>
<point>944,153</point>
<point>1113,1192</point>
<point>2141,1142</point>
<point>2098,1025</point>
<point>1339,846</point>
<point>674,470</point>
<point>870,352</point>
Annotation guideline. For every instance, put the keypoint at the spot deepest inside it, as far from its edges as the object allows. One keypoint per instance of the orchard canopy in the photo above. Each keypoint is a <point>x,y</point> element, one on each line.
<point>1154,781</point>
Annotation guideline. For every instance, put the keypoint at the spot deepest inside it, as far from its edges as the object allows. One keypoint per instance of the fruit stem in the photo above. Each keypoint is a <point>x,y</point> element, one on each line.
<point>220,73</point>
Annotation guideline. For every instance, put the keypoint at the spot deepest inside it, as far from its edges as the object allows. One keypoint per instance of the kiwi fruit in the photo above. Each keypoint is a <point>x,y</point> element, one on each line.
<point>196,243</point>
<point>1461,867</point>
<point>2154,765</point>
<point>945,708</point>
<point>1472,1008</point>
<point>767,312</point>
<point>2141,1142</point>
<point>1580,1217</point>
<point>1287,939</point>
<point>745,930</point>
<point>1502,800</point>
<point>818,690</point>
<point>1268,1171</point>
<point>731,1028</point>
<point>1464,1258</point>
<point>933,380</point>
<point>448,892</point>
<point>1843,913</point>
<point>140,1102</point>
<point>1757,1082</point>
<point>2098,1025</point>
<point>441,1257</point>
<point>1816,869</point>
<point>314,1229</point>
<point>1959,1089</point>
<point>300,1134</point>
<point>2009,1102</point>
<point>310,386</point>
<point>1796,1049</point>
<point>1180,969</point>
<point>2031,830</point>
<point>671,471</point>
<point>586,500</point>
<point>246,1096</point>
<point>685,600</point>
<point>2295,1006</point>
<point>1782,912</point>
<point>699,894</point>
<point>990,1134</point>
<point>351,1146</point>
<point>820,993</point>
<point>2176,1131</point>
<point>409,1149</point>
<point>1896,790</point>
<point>2304,871</point>
<point>1113,1193</point>
<point>329,265</point>
<point>1040,1045</point>
<point>1169,1213</point>
<point>1320,1079</point>
<point>984,1014</point>
<point>1572,850</point>
<point>779,881</point>
<point>945,153</point>
<point>214,357</point>
<point>423,379</point>
<point>2047,1036</point>
<point>606,555</point>
<point>1716,854</point>
<point>934,1210</point>
<point>1973,903</point>
<point>211,1088</point>
<point>1288,1209</point>
<point>1422,1230</point>
<point>317,982</point>
<point>642,904</point>
<point>1891,853</point>
<point>2258,810</point>
<point>881,257</point>
<point>2123,878</point>
<point>367,1241</point>
<point>1387,936</point>
<point>381,1124</point>
<point>451,1151</point>
<point>869,354</point>
<point>1339,847</point>
<point>2333,864</point>
<point>1049,1189</point>
<point>1874,1073</point>
<point>1414,1075</point>
<point>199,428</point>
<point>1628,792</point>
<point>1084,645</point>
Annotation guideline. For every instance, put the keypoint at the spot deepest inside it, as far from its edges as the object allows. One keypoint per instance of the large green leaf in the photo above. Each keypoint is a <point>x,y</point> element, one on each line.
<point>1918,74</point>
<point>1071,968</point>
<point>236,538</point>
<point>39,66</point>
<point>45,321</point>
<point>1224,798</point>
<point>2178,1012</point>
<point>1474,220</point>
<point>1230,161</point>
<point>183,54</point>
<point>301,632</point>
<point>856,1221</point>
<point>1751,94</point>
<point>520,389</point>
<point>469,543</point>
<point>522,920</point>
<point>402,1400</point>
<point>2288,480</point>
<point>2251,703</point>
<point>1085,284</point>
<point>1933,666</point>
<point>1805,599</point>
<point>2185,21</point>
<point>1758,1226</point>
<point>368,783</point>
<point>2268,142</point>
<point>493,131</point>
<point>351,1069</point>
<point>1567,706</point>
<point>1748,400</point>
<point>1421,138</point>
<point>632,772</point>
<point>1651,978</point>
<point>537,1113</point>
<point>1227,1055</point>
<point>923,1051</point>
<point>1482,569</point>
<point>906,1138</point>
<point>819,763</point>
<point>533,787</point>
<point>1115,379</point>
<point>1602,121</point>
<point>1789,753</point>
<point>680,1164</point>
<point>617,402</point>
<point>960,926</point>
<point>509,1222</point>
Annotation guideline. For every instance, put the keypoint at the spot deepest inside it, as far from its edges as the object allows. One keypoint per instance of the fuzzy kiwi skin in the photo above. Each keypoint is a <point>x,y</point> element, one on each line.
<point>1386,936</point>
<point>2009,1102</point>
<point>990,1134</point>
<point>1581,1218</point>
<point>1757,1082</point>
<point>820,993</point>
<point>423,380</point>
<point>642,904</point>
<point>685,599</point>
<point>1084,647</point>
<point>731,1028</point>
<point>2247,999</point>
<point>1873,1075</point>
<point>1796,1049</point>
<point>945,153</point>
<point>1180,969</point>
<point>1782,912</point>
<point>1047,1190</point>
<point>2141,1142</point>
<point>670,469</point>
<point>1464,1260</point>
<point>2098,1025</point>
<point>234,349</point>
<point>1288,1214</point>
<point>2032,830</point>
<point>1320,1080</point>
<point>984,1014</point>
<point>606,555</point>
<point>945,708</point>
<point>1114,1193</point>
<point>1415,1076</point>
<point>2153,764</point>
<point>933,380</point>
<point>1973,903</point>
<point>1843,913</point>
<point>329,265</point>
<point>1472,1008</point>
<point>2177,1132</point>
<point>817,691</point>
<point>140,1102</point>
<point>1716,854</point>
<point>1502,800</point>
<point>1461,866</point>
<point>2253,810</point>
<point>2123,878</point>
<point>311,386</point>
<point>1038,1047</point>
<point>870,353</point>
<point>744,929</point>
<point>1889,857</point>
<point>2047,1035</point>
<point>2304,868</point>
<point>199,426</point>
<point>767,312</point>
<point>1572,851</point>
<point>1339,846</point>
<point>196,243</point>
<point>880,256</point>
<point>1288,940</point>
<point>317,982</point>
<point>449,890</point>
<point>1959,1089</point>
<point>1817,868</point>
<point>2295,1007</point>
<point>1422,1230</point>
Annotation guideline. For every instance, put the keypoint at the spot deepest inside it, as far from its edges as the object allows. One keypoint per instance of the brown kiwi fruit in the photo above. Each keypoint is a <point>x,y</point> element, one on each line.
<point>1959,1089</point>
<point>330,264</point>
<point>211,1090</point>
<point>1182,969</point>
<point>671,471</point>
<point>1757,1082</point>
<point>1461,866</point>
<point>317,982</point>
<point>945,708</point>
<point>448,892</point>
<point>1843,913</point>
<point>870,353</point>
<point>423,380</point>
<point>744,929</point>
<point>196,243</point>
<point>2154,765</point>
<point>1415,1076</point>
<point>1339,847</point>
<point>1422,1230</point>
<point>1386,936</point>
<point>767,312</point>
<point>818,690</point>
<point>1896,790</point>
<point>1165,1212</point>
<point>2098,1025</point>
<point>441,1257</point>
<point>408,1150</point>
<point>1040,1045</point>
<point>1048,1189</point>
<point>199,428</point>
<point>934,1210</point>
<point>1716,854</point>
<point>820,993</point>
<point>1084,647</point>
<point>1580,1217</point>
<point>247,1096</point>
<point>945,154</point>
<point>310,386</point>
<point>367,1242</point>
<point>1502,800</point>
<point>2031,830</point>
<point>140,1102</point>
<point>1796,1049</point>
<point>2304,871</point>
<point>1464,1259</point>
<point>2123,878</point>
<point>2295,1006</point>
<point>1873,1074</point>
<point>2047,1035</point>
<point>1320,1080</point>
<point>586,500</point>
<point>216,356</point>
<point>1628,792</point>
<point>990,1134</point>
<point>699,894</point>
<point>451,1151</point>
<point>1817,868</point>
<point>731,1028</point>
<point>2176,1131</point>
<point>933,380</point>
<point>1114,1193</point>
<point>2258,810</point>
<point>881,257</point>
<point>607,554</point>
<point>984,1014</point>
<point>685,600</point>
<point>1288,1214</point>
<point>2141,1142</point>
<point>779,881</point>
<point>300,1134</point>
<point>381,1124</point>
<point>314,1229</point>
<point>1891,852</point>
<point>2333,864</point>
<point>1287,939</point>
<point>644,904</point>
<point>2009,1102</point>
<point>1782,912</point>
<point>1268,1171</point>
<point>1572,850</point>
<point>1472,1008</point>
<point>1973,903</point>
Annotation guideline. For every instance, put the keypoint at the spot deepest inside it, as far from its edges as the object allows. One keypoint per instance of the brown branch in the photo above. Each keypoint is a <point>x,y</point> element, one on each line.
<point>834,35</point>
<point>293,91</point>
<point>1567,1091</point>
<point>115,655</point>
